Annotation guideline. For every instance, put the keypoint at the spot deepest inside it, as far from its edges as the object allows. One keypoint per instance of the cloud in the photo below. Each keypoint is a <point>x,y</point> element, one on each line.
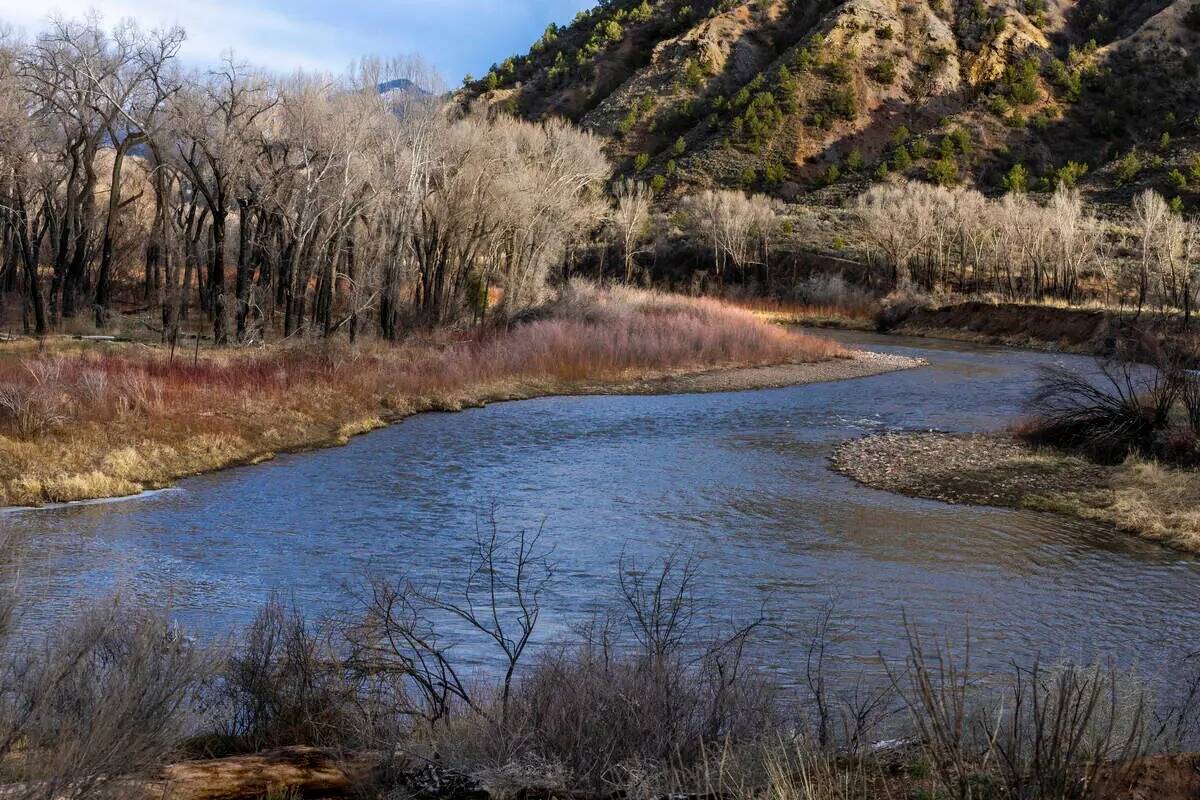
<point>457,36</point>
<point>258,34</point>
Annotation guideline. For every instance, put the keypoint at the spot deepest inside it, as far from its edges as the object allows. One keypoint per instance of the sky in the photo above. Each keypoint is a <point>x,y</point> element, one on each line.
<point>455,36</point>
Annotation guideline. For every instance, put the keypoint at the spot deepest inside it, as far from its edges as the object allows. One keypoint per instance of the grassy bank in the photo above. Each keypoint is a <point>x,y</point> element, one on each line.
<point>1152,501</point>
<point>89,420</point>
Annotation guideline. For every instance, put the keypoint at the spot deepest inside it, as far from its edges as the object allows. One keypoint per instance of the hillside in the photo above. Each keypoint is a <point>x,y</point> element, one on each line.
<point>789,96</point>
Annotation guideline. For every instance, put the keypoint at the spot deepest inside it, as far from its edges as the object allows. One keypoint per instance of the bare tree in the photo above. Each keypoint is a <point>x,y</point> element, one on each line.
<point>737,227</point>
<point>401,640</point>
<point>630,221</point>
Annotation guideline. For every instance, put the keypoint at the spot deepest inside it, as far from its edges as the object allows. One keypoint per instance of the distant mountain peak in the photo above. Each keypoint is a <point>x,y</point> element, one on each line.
<point>402,85</point>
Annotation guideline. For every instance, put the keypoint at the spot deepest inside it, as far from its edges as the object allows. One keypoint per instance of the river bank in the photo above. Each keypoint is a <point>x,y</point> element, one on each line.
<point>84,423</point>
<point>1157,503</point>
<point>1049,328</point>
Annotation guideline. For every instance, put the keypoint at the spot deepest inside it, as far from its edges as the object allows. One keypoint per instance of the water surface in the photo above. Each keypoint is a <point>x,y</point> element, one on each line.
<point>740,479</point>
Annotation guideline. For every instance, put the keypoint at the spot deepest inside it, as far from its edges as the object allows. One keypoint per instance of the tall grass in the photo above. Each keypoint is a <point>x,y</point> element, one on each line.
<point>78,423</point>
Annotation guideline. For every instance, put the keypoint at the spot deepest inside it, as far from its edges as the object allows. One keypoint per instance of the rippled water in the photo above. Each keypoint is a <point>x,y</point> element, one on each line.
<point>740,479</point>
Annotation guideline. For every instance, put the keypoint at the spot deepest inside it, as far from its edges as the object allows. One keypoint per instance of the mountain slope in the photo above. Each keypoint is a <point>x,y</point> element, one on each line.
<point>790,95</point>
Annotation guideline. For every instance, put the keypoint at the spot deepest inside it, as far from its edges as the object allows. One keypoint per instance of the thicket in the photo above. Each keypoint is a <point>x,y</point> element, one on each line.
<point>1020,248</point>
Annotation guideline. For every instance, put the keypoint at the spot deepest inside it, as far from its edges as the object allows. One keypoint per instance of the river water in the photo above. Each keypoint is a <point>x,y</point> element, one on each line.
<point>739,480</point>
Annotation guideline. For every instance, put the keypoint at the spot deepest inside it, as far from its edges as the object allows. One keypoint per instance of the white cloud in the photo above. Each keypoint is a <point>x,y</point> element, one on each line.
<point>457,36</point>
<point>259,35</point>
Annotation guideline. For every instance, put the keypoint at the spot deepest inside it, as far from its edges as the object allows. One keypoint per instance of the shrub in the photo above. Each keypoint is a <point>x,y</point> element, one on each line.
<point>944,171</point>
<point>884,71</point>
<point>278,688</point>
<point>1016,180</point>
<point>648,688</point>
<point>101,698</point>
<point>1121,411</point>
<point>1068,175</point>
<point>1021,82</point>
<point>1129,168</point>
<point>31,410</point>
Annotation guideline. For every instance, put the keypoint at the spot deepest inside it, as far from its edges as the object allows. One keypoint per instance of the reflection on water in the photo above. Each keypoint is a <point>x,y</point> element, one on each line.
<point>740,479</point>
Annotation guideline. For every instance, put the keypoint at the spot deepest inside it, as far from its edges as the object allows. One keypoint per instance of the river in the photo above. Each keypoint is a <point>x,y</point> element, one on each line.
<point>739,480</point>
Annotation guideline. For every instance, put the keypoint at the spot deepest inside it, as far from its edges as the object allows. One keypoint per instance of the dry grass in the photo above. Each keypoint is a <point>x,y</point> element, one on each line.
<point>819,314</point>
<point>1158,503</point>
<point>80,424</point>
<point>1150,500</point>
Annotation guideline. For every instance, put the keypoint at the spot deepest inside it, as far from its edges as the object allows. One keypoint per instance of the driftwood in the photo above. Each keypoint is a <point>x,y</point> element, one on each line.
<point>301,771</point>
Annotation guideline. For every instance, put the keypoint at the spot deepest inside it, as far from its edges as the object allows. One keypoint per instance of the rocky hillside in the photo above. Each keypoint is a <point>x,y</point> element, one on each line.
<point>792,96</point>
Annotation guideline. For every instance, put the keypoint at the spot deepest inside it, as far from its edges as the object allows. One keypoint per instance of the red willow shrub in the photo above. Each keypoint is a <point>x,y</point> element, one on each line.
<point>585,334</point>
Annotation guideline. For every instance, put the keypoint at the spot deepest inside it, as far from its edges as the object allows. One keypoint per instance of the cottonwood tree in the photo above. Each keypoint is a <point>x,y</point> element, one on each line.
<point>737,228</point>
<point>629,221</point>
<point>131,80</point>
<point>939,237</point>
<point>345,203</point>
<point>21,173</point>
<point>218,137</point>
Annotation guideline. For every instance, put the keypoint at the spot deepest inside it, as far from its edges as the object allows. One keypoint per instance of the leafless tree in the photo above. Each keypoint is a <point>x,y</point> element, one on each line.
<point>404,633</point>
<point>737,227</point>
<point>630,221</point>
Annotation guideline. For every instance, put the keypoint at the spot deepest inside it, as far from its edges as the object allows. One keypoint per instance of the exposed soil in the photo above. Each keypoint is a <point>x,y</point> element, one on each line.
<point>1067,329</point>
<point>968,469</point>
<point>1153,502</point>
<point>1038,327</point>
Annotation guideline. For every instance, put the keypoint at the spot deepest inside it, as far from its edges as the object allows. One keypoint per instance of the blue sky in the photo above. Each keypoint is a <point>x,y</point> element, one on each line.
<point>456,36</point>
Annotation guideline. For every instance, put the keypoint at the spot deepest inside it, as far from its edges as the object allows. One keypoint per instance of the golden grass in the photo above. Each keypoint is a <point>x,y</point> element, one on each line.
<point>78,423</point>
<point>1156,502</point>
<point>784,312</point>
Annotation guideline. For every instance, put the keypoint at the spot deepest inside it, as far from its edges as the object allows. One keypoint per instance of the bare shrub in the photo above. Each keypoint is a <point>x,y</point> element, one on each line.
<point>834,291</point>
<point>1068,731</point>
<point>1190,393</point>
<point>1110,416</point>
<point>284,686</point>
<point>842,718</point>
<point>936,687</point>
<point>646,689</point>
<point>30,410</point>
<point>403,643</point>
<point>107,697</point>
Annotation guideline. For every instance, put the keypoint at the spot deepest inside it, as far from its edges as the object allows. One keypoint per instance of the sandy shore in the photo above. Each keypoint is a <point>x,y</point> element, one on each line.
<point>860,364</point>
<point>1153,502</point>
